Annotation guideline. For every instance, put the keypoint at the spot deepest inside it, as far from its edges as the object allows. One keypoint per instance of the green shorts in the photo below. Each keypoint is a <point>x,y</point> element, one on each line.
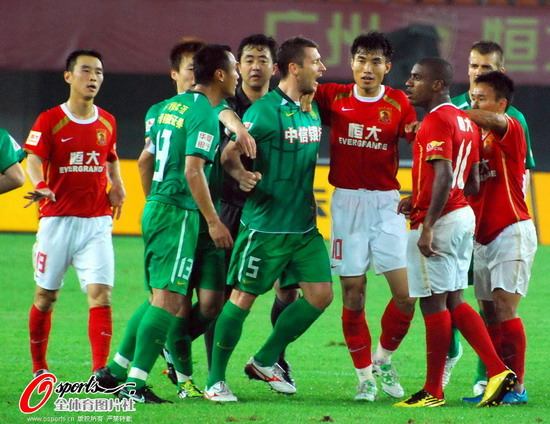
<point>209,266</point>
<point>170,234</point>
<point>260,258</point>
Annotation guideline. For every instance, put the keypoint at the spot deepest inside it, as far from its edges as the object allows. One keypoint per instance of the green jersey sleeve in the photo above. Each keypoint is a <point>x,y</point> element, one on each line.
<point>9,154</point>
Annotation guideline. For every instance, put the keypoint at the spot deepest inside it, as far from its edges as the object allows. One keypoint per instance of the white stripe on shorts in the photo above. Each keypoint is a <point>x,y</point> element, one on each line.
<point>247,247</point>
<point>180,246</point>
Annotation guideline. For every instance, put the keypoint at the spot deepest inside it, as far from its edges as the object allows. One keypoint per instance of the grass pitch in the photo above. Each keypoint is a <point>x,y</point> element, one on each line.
<point>322,367</point>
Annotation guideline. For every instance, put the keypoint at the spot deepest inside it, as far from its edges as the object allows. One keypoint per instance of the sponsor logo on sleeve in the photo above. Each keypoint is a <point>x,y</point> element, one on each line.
<point>435,146</point>
<point>204,141</point>
<point>33,138</point>
<point>149,124</point>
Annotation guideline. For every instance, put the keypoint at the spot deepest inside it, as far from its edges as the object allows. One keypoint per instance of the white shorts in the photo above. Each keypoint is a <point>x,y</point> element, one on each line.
<point>506,262</point>
<point>85,243</point>
<point>366,229</point>
<point>447,271</point>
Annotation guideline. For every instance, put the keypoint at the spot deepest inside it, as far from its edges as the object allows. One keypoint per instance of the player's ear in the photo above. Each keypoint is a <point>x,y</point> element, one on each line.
<point>275,68</point>
<point>388,67</point>
<point>68,75</point>
<point>293,68</point>
<point>219,75</point>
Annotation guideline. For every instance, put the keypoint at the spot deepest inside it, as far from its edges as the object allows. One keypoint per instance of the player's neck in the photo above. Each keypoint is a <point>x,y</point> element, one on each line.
<point>213,94</point>
<point>81,108</point>
<point>290,88</point>
<point>437,100</point>
<point>254,93</point>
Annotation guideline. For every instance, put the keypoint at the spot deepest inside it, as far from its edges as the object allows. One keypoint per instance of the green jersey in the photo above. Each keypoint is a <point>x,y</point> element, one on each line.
<point>10,152</point>
<point>463,102</point>
<point>287,142</point>
<point>187,125</point>
<point>151,115</point>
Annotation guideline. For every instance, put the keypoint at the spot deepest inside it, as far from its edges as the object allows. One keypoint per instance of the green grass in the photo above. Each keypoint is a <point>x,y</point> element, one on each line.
<point>322,367</point>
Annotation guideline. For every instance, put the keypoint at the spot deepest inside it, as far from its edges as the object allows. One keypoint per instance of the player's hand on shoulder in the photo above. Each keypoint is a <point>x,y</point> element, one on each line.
<point>220,235</point>
<point>305,102</point>
<point>411,129</point>
<point>117,195</point>
<point>405,206</point>
<point>38,194</point>
<point>248,180</point>
<point>246,144</point>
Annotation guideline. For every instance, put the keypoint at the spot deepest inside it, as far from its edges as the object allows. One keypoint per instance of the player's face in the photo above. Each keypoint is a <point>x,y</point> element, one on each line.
<point>86,77</point>
<point>484,97</point>
<point>310,71</point>
<point>419,86</point>
<point>479,64</point>
<point>369,69</point>
<point>184,77</point>
<point>256,66</point>
<point>230,78</point>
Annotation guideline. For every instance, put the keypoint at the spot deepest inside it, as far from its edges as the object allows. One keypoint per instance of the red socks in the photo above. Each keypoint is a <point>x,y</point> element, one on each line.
<point>438,339</point>
<point>513,346</point>
<point>40,324</point>
<point>495,333</point>
<point>356,333</point>
<point>472,327</point>
<point>100,330</point>
<point>395,325</point>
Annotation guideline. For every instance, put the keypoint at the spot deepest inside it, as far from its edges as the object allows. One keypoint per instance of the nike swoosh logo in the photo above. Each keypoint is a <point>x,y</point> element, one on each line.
<point>290,114</point>
<point>103,333</point>
<point>346,109</point>
<point>357,350</point>
<point>224,347</point>
<point>38,341</point>
<point>63,140</point>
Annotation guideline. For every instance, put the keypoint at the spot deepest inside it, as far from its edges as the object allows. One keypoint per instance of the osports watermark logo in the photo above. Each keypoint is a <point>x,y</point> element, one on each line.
<point>45,386</point>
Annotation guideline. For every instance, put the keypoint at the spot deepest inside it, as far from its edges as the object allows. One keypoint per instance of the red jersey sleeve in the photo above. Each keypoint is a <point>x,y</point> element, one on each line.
<point>39,140</point>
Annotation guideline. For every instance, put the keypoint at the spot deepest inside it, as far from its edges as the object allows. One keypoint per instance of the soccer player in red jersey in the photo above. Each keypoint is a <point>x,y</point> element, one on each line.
<point>71,158</point>
<point>445,168</point>
<point>366,121</point>
<point>506,239</point>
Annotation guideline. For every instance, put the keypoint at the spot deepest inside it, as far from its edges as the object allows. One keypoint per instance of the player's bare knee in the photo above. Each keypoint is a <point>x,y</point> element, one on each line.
<point>99,295</point>
<point>320,296</point>
<point>405,303</point>
<point>44,300</point>
<point>287,296</point>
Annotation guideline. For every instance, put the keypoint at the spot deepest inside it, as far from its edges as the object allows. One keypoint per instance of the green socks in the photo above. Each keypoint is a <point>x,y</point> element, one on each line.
<point>454,348</point>
<point>229,327</point>
<point>291,324</point>
<point>151,337</point>
<point>125,354</point>
<point>178,344</point>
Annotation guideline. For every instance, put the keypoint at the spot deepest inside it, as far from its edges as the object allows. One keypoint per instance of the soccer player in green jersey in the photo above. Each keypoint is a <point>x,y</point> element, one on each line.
<point>278,232</point>
<point>484,57</point>
<point>186,137</point>
<point>11,172</point>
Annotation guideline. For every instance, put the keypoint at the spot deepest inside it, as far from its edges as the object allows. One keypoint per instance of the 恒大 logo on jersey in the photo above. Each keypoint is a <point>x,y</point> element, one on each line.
<point>45,385</point>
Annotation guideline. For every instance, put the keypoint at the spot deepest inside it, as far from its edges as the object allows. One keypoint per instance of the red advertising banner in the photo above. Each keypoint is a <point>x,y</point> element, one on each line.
<point>135,35</point>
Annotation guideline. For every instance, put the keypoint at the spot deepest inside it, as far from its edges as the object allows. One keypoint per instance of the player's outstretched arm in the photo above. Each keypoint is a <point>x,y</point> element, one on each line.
<point>198,185</point>
<point>12,178</point>
<point>117,192</point>
<point>244,141</point>
<point>36,177</point>
<point>231,161</point>
<point>491,121</point>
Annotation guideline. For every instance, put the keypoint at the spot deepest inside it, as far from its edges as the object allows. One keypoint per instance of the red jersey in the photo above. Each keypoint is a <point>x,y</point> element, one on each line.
<point>75,153</point>
<point>500,201</point>
<point>446,133</point>
<point>364,135</point>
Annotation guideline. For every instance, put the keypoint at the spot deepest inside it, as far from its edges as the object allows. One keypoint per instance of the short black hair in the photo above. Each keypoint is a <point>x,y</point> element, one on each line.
<point>258,40</point>
<point>185,47</point>
<point>70,62</point>
<point>501,83</point>
<point>439,69</point>
<point>209,59</point>
<point>373,41</point>
<point>485,47</point>
<point>292,51</point>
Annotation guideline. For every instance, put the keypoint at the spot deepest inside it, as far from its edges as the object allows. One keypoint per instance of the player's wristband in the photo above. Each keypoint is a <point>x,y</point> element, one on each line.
<point>42,184</point>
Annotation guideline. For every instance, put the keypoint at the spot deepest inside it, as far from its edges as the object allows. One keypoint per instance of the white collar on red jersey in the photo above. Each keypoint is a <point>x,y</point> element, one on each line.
<point>369,99</point>
<point>80,121</point>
